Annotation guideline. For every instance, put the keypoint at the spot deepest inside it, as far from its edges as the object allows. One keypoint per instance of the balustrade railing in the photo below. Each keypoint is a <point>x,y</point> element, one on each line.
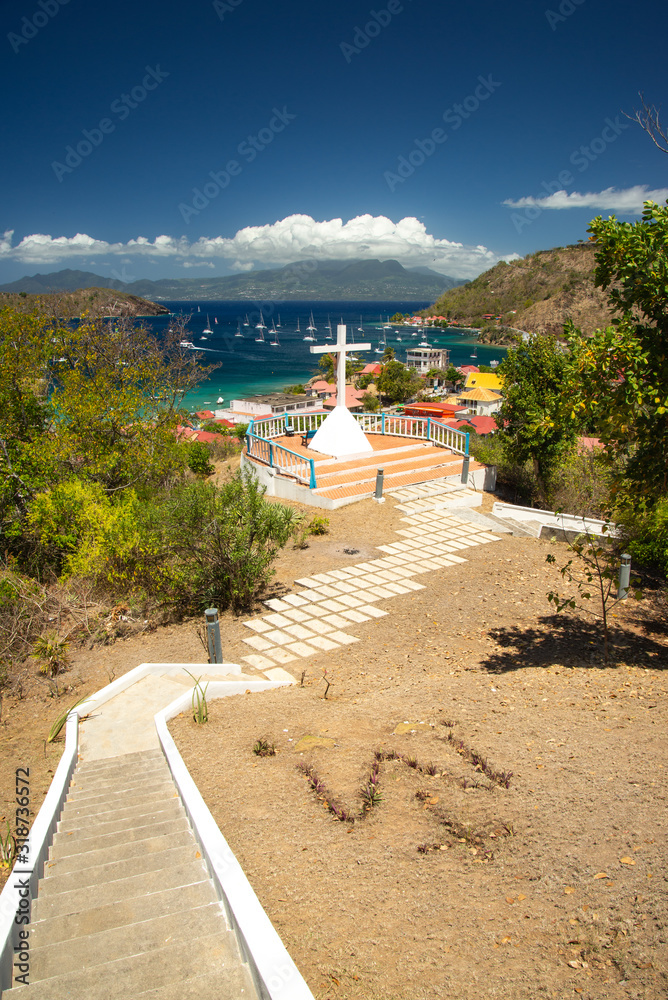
<point>277,457</point>
<point>448,437</point>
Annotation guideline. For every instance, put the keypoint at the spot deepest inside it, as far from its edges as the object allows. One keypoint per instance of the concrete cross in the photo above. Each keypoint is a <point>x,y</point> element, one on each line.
<point>339,434</point>
<point>341,349</point>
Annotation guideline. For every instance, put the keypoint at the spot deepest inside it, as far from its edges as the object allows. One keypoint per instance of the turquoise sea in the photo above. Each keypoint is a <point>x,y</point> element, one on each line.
<point>249,367</point>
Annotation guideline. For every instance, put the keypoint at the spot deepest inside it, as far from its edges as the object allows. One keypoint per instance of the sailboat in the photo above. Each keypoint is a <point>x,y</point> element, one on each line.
<point>278,325</point>
<point>239,333</point>
<point>261,327</point>
<point>215,319</point>
<point>311,328</point>
<point>387,325</point>
<point>475,352</point>
<point>207,331</point>
<point>274,333</point>
<point>424,342</point>
<point>246,323</point>
<point>198,309</point>
<point>329,335</point>
<point>298,330</point>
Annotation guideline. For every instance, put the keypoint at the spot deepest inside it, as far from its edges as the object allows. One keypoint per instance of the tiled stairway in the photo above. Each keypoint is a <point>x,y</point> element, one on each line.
<point>126,908</point>
<point>415,463</point>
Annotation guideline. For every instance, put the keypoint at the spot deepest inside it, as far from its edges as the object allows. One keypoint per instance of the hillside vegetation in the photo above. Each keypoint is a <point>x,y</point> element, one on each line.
<point>98,303</point>
<point>545,289</point>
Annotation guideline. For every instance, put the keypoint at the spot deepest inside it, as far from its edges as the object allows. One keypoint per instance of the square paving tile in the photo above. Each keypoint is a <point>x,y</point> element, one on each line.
<point>332,590</point>
<point>282,655</point>
<point>355,616</point>
<point>324,643</point>
<point>301,649</point>
<point>365,596</point>
<point>297,615</point>
<point>350,601</point>
<point>314,610</point>
<point>338,621</point>
<point>341,588</point>
<point>307,581</point>
<point>310,595</point>
<point>445,561</point>
<point>295,600</point>
<point>388,575</point>
<point>372,578</point>
<point>277,620</point>
<point>277,637</point>
<point>343,638</point>
<point>299,632</point>
<point>258,625</point>
<point>412,585</point>
<point>456,559</point>
<point>257,661</point>
<point>398,588</point>
<point>381,592</point>
<point>322,626</point>
<point>333,605</point>
<point>323,577</point>
<point>337,574</point>
<point>258,642</point>
<point>276,605</point>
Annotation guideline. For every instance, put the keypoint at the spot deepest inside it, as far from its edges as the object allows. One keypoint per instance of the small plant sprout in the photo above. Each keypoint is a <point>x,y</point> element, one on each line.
<point>594,577</point>
<point>52,653</point>
<point>200,707</point>
<point>370,792</point>
<point>7,848</point>
<point>327,682</point>
<point>262,748</point>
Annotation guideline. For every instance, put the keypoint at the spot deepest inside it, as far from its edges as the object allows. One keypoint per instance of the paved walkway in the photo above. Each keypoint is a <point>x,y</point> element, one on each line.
<point>319,617</point>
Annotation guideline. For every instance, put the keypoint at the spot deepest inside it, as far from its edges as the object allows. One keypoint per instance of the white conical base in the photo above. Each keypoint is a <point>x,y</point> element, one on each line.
<point>339,434</point>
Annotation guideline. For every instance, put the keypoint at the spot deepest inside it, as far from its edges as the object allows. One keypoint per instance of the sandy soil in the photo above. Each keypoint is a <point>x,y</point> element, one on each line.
<point>451,885</point>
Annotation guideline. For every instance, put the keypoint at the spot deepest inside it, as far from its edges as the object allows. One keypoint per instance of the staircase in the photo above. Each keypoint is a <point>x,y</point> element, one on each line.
<point>416,463</point>
<point>126,909</point>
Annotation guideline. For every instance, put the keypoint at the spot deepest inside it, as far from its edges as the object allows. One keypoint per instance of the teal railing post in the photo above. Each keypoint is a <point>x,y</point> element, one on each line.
<point>271,455</point>
<point>382,423</point>
<point>312,480</point>
<point>466,446</point>
<point>428,428</point>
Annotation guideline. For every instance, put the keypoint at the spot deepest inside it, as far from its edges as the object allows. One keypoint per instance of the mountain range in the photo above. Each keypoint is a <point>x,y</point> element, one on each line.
<point>385,280</point>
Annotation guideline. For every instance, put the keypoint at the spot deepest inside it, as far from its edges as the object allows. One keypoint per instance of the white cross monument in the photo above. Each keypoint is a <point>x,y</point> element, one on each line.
<point>339,434</point>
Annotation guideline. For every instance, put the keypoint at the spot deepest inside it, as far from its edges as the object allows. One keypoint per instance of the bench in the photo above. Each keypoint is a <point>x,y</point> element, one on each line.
<point>308,436</point>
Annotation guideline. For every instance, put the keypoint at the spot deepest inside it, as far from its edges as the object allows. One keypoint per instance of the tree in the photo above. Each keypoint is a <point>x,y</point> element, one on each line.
<point>454,375</point>
<point>648,119</point>
<point>397,318</point>
<point>532,418</point>
<point>620,374</point>
<point>388,355</point>
<point>396,383</point>
<point>371,402</point>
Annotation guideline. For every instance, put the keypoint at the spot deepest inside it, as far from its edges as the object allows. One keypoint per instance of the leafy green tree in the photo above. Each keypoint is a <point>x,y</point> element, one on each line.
<point>388,355</point>
<point>371,402</point>
<point>199,459</point>
<point>397,318</point>
<point>620,374</point>
<point>396,383</point>
<point>533,422</point>
<point>454,376</point>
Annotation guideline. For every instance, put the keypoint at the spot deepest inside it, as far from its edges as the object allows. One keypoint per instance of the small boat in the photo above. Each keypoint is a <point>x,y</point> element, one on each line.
<point>274,333</point>
<point>188,344</point>
<point>311,328</point>
<point>379,349</point>
<point>215,319</point>
<point>494,364</point>
<point>329,335</point>
<point>261,327</point>
<point>246,323</point>
<point>239,333</point>
<point>361,326</point>
<point>207,329</point>
<point>278,325</point>
<point>198,309</point>
<point>475,352</point>
<point>424,343</point>
<point>220,400</point>
<point>298,330</point>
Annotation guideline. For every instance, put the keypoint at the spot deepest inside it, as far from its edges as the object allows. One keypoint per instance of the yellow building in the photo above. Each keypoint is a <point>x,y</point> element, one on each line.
<point>484,380</point>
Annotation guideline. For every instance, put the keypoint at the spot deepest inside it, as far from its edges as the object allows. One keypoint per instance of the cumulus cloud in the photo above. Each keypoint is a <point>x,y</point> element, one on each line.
<point>293,238</point>
<point>627,201</point>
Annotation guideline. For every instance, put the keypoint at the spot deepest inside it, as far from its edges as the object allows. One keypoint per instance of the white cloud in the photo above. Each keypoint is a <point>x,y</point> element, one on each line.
<point>293,238</point>
<point>198,263</point>
<point>628,201</point>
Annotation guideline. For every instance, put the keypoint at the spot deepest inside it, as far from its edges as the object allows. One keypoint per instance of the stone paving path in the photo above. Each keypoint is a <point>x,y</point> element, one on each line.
<point>318,618</point>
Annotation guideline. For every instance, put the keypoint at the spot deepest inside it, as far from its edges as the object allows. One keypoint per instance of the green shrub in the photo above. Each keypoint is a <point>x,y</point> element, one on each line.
<point>647,534</point>
<point>199,459</point>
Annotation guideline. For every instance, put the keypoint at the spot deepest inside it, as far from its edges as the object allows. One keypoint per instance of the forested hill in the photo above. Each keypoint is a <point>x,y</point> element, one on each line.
<point>545,289</point>
<point>96,302</point>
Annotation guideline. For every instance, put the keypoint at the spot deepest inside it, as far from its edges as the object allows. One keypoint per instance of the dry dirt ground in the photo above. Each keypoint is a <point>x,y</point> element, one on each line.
<point>451,885</point>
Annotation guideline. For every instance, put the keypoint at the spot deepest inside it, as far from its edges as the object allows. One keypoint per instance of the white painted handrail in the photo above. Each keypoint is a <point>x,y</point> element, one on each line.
<point>275,974</point>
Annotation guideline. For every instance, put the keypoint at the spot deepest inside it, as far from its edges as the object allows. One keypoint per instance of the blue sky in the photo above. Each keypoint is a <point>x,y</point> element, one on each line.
<point>167,139</point>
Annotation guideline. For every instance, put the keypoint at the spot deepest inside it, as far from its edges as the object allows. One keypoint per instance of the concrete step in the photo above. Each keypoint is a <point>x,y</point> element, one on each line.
<point>94,775</point>
<point>392,482</point>
<point>207,987</point>
<point>75,900</point>
<point>114,943</point>
<point>101,804</point>
<point>439,460</point>
<point>139,814</point>
<point>106,916</point>
<point>120,853</point>
<point>66,845</point>
<point>154,861</point>
<point>141,758</point>
<point>180,960</point>
<point>117,788</point>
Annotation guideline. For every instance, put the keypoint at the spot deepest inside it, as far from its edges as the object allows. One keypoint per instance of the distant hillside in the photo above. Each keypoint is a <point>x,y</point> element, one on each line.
<point>61,281</point>
<point>329,279</point>
<point>545,289</point>
<point>97,302</point>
